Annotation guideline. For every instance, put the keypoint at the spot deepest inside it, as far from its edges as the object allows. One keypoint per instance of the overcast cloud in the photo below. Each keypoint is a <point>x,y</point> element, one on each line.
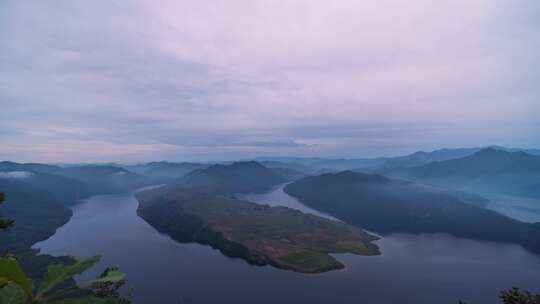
<point>200,80</point>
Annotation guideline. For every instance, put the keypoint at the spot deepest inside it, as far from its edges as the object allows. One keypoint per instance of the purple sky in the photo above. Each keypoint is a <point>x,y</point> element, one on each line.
<point>87,81</point>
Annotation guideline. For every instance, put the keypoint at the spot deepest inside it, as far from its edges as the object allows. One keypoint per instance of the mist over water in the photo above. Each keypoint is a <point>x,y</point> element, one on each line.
<point>415,269</point>
<point>520,208</point>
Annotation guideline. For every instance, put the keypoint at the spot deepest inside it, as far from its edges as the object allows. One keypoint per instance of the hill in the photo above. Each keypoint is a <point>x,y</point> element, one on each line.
<point>386,205</point>
<point>249,176</point>
<point>163,171</point>
<point>488,170</point>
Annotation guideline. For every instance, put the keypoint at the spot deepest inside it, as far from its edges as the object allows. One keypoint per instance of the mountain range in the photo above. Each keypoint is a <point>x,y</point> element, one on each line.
<point>385,205</point>
<point>486,171</point>
<point>443,191</point>
<point>314,164</point>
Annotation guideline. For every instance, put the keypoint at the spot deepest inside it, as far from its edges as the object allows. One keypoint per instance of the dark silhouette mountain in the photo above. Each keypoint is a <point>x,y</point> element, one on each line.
<point>386,205</point>
<point>249,176</point>
<point>163,171</point>
<point>488,170</point>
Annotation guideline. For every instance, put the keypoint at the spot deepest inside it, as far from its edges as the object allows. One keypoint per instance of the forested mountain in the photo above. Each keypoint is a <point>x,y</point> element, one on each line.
<point>386,205</point>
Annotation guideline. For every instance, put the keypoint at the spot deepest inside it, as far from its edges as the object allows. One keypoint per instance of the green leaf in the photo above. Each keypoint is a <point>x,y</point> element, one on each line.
<point>3,282</point>
<point>12,294</point>
<point>10,271</point>
<point>66,293</point>
<point>58,273</point>
<point>111,277</point>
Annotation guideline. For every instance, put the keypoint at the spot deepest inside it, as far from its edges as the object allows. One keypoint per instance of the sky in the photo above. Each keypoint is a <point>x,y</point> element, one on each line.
<point>130,81</point>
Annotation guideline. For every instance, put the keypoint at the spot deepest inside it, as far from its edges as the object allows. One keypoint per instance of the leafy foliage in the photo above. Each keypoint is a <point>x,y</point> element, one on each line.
<point>16,287</point>
<point>516,296</point>
<point>108,284</point>
<point>59,273</point>
<point>12,294</point>
<point>12,273</point>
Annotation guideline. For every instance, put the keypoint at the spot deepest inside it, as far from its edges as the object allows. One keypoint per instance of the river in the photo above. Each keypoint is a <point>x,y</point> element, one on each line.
<point>417,269</point>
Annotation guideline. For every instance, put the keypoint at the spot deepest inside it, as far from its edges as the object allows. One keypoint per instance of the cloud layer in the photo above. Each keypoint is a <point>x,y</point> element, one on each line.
<point>185,80</point>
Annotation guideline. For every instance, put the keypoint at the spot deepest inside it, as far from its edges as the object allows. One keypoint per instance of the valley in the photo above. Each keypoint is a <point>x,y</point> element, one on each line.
<point>159,267</point>
<point>257,221</point>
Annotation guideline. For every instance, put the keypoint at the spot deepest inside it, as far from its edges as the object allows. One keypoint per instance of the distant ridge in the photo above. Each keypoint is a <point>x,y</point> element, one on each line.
<point>484,162</point>
<point>164,171</point>
<point>372,164</point>
<point>246,176</point>
<point>95,179</point>
<point>488,170</point>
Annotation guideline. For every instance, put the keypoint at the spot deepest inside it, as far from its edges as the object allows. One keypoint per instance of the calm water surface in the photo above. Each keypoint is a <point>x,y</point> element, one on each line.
<point>412,269</point>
